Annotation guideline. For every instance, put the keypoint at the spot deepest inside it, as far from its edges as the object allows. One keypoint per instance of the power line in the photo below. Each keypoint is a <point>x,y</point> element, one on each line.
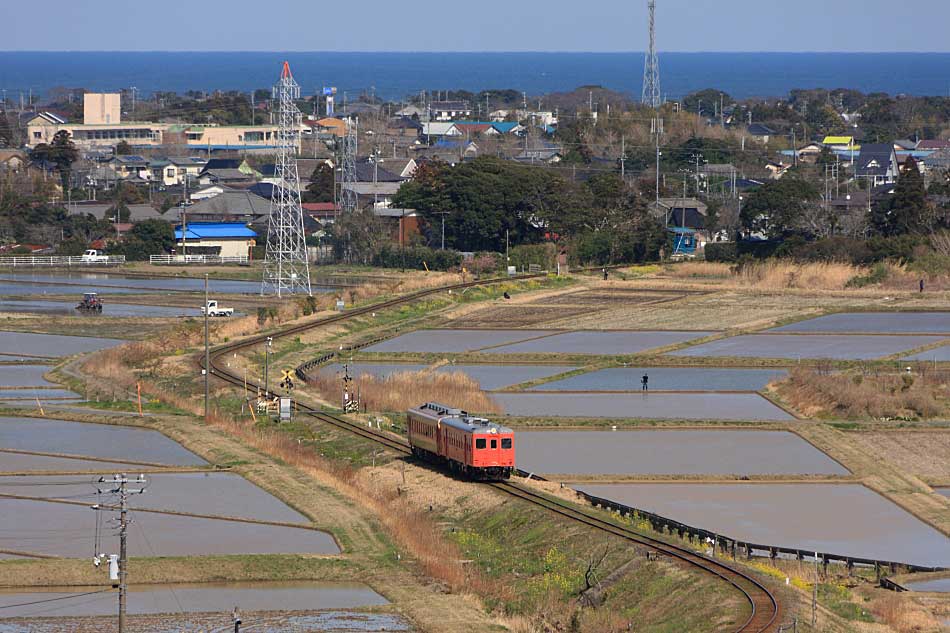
<point>75,595</point>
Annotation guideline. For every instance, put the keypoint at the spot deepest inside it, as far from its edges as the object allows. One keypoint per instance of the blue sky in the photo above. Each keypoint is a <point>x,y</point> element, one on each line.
<point>534,25</point>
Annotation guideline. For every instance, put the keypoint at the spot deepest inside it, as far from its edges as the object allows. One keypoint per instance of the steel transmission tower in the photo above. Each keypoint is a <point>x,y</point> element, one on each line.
<point>651,65</point>
<point>348,192</point>
<point>286,269</point>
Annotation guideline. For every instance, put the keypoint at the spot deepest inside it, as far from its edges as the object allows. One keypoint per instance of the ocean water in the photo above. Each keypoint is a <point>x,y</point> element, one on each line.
<point>396,75</point>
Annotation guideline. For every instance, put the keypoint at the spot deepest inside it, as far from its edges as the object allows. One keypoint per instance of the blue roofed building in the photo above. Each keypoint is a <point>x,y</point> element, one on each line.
<point>224,239</point>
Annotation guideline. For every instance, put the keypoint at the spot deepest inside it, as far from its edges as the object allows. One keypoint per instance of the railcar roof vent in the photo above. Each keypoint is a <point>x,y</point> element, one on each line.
<point>443,409</point>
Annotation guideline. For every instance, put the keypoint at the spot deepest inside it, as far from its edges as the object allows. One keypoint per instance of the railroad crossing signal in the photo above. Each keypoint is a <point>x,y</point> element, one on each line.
<point>287,379</point>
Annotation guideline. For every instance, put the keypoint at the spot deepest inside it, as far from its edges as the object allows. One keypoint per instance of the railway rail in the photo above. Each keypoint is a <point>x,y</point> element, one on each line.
<point>763,605</point>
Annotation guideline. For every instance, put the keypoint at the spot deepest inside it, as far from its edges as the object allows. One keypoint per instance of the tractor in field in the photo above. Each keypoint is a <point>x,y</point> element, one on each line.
<point>90,304</point>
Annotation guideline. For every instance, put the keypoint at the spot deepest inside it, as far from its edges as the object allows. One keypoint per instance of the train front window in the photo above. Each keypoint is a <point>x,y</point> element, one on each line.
<point>494,443</point>
<point>506,442</point>
<point>480,443</point>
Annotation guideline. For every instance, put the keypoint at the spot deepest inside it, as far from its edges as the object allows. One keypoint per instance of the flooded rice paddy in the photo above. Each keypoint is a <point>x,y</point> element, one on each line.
<point>453,341</point>
<point>937,354</point>
<point>652,452</point>
<point>490,377</point>
<point>120,283</point>
<point>93,440</point>
<point>846,519</point>
<point>41,394</point>
<point>51,345</point>
<point>943,491</point>
<point>23,375</point>
<point>219,494</point>
<point>69,531</point>
<point>109,309</point>
<point>667,379</point>
<point>875,322</point>
<point>196,598</point>
<point>661,406</point>
<point>26,463</point>
<point>939,585</point>
<point>793,346</point>
<point>599,343</point>
<point>533,341</point>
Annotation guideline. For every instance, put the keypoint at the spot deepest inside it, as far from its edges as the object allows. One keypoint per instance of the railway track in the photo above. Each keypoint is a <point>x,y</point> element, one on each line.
<point>764,607</point>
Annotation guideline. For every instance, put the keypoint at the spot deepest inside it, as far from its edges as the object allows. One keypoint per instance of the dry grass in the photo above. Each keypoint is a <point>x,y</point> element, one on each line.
<point>901,614</point>
<point>860,396</point>
<point>410,528</point>
<point>401,390</point>
<point>774,274</point>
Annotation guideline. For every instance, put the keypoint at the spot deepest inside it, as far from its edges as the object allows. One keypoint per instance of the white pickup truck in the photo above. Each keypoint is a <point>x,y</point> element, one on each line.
<point>93,255</point>
<point>214,310</point>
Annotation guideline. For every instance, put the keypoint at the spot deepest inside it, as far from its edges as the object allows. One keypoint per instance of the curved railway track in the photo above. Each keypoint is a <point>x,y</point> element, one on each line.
<point>763,605</point>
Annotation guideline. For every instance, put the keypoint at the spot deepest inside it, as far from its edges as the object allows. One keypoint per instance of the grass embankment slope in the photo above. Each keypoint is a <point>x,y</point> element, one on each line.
<point>530,570</point>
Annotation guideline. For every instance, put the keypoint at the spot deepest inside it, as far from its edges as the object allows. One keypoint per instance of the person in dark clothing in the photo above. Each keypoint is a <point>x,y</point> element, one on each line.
<point>921,285</point>
<point>645,383</point>
<point>605,274</point>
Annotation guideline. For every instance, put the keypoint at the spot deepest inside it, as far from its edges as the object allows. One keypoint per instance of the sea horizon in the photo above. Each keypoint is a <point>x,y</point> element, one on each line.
<point>394,75</point>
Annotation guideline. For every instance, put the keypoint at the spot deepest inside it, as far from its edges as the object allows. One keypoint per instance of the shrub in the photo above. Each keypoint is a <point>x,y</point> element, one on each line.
<point>543,255</point>
<point>877,275</point>
<point>721,252</point>
<point>417,258</point>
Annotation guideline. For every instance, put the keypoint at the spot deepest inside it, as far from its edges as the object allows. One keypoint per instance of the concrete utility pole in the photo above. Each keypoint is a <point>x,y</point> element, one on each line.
<point>207,353</point>
<point>122,482</point>
<point>268,343</point>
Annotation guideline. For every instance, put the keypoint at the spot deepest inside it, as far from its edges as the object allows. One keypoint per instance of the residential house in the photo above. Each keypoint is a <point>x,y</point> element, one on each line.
<point>549,154</point>
<point>776,169</point>
<point>132,166</point>
<point>231,205</point>
<point>507,127</point>
<point>449,110</point>
<point>12,160</point>
<point>439,129</point>
<point>403,223</point>
<point>403,127</point>
<point>686,219</point>
<point>329,125</point>
<point>225,239</point>
<point>208,191</point>
<point>402,167</point>
<point>228,171</point>
<point>809,153</point>
<point>106,211</point>
<point>905,145</point>
<point>411,111</point>
<point>172,171</point>
<point>761,133</point>
<point>471,129</point>
<point>878,163</point>
<point>933,145</point>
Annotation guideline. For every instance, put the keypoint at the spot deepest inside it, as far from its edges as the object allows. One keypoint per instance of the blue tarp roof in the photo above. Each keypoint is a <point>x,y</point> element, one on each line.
<point>204,230</point>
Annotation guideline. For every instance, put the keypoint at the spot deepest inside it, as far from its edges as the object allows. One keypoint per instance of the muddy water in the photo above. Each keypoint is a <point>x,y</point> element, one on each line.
<point>667,379</point>
<point>939,585</point>
<point>51,344</point>
<point>94,440</point>
<point>845,519</point>
<point>198,598</point>
<point>937,354</point>
<point>69,531</point>
<point>109,309</point>
<point>19,463</point>
<point>875,322</point>
<point>661,406</point>
<point>671,453</point>
<point>23,375</point>
<point>608,343</point>
<point>452,340</point>
<point>222,494</point>
<point>488,376</point>
<point>792,346</point>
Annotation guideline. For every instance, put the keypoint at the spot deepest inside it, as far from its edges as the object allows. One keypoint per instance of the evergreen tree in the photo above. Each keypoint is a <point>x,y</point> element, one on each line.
<point>61,152</point>
<point>907,210</point>
<point>321,185</point>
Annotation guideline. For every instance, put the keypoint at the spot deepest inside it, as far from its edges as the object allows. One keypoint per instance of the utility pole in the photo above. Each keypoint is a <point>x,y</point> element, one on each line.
<point>207,354</point>
<point>269,341</point>
<point>623,157</point>
<point>657,132</point>
<point>122,481</point>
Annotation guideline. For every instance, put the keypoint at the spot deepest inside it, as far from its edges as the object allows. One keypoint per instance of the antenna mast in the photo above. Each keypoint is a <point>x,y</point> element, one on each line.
<point>651,65</point>
<point>286,269</point>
